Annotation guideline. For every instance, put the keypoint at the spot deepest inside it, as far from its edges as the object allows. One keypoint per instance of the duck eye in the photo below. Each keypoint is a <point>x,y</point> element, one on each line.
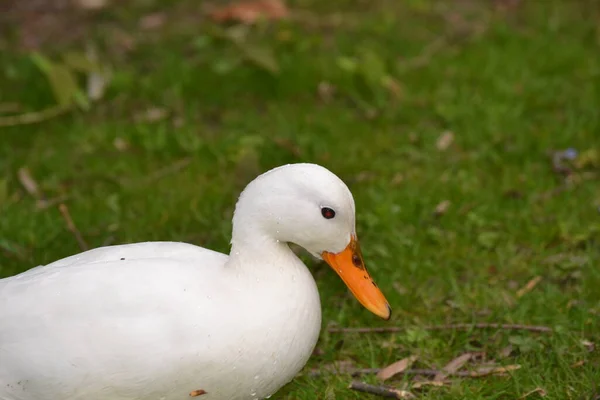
<point>327,213</point>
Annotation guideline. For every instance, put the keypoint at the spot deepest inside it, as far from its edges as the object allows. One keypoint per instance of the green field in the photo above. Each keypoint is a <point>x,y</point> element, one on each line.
<point>457,106</point>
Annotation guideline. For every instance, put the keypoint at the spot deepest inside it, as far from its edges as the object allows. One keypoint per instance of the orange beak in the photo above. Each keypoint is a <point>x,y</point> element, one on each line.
<point>350,266</point>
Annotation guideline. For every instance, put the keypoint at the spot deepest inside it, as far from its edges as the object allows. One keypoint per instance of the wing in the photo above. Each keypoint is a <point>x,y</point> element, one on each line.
<point>95,313</point>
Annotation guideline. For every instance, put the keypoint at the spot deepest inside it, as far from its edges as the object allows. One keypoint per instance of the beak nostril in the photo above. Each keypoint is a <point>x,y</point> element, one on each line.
<point>356,260</point>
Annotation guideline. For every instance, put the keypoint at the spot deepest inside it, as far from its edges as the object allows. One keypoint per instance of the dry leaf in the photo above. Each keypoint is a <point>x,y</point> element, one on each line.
<point>120,144</point>
<point>590,346</point>
<point>396,368</point>
<point>28,182</point>
<point>453,366</point>
<point>393,86</point>
<point>420,384</point>
<point>441,208</point>
<point>578,364</point>
<point>326,91</point>
<point>485,371</point>
<point>529,286</point>
<point>152,21</point>
<point>152,114</point>
<point>444,141</point>
<point>506,352</point>
<point>251,11</point>
<point>539,391</point>
<point>197,393</point>
<point>397,179</point>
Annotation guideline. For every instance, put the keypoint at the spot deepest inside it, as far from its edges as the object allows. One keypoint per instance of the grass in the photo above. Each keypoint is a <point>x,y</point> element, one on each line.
<point>511,85</point>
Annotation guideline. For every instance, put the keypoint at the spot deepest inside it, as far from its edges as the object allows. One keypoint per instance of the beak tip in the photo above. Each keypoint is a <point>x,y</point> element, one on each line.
<point>387,316</point>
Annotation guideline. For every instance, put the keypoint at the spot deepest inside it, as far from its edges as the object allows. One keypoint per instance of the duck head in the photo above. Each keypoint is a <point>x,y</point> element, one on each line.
<point>308,205</point>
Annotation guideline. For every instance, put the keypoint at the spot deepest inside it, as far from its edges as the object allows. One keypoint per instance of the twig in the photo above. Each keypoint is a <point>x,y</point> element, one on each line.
<point>480,372</point>
<point>461,326</point>
<point>382,391</point>
<point>67,217</point>
<point>34,117</point>
<point>529,286</point>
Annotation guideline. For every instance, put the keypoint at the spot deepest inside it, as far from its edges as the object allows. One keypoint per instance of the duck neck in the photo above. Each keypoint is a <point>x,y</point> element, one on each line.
<point>251,246</point>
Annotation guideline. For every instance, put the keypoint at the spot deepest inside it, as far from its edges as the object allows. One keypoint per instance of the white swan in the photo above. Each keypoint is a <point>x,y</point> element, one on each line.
<point>168,320</point>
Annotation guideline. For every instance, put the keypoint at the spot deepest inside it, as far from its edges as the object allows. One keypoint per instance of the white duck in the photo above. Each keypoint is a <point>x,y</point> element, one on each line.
<point>168,320</point>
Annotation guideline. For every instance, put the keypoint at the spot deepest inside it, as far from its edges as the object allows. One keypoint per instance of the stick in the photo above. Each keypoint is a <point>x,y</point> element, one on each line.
<point>34,117</point>
<point>477,373</point>
<point>382,391</point>
<point>67,217</point>
<point>460,326</point>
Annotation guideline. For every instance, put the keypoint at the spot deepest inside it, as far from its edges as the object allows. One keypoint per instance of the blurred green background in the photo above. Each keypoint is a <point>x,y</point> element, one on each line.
<point>468,131</point>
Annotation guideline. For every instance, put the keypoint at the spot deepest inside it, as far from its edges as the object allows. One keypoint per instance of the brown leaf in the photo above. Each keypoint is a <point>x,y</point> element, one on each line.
<point>420,384</point>
<point>152,114</point>
<point>539,391</point>
<point>28,182</point>
<point>152,21</point>
<point>250,11</point>
<point>485,371</point>
<point>396,368</point>
<point>397,179</point>
<point>196,393</point>
<point>120,144</point>
<point>529,286</point>
<point>441,208</point>
<point>578,364</point>
<point>444,141</point>
<point>453,366</point>
<point>506,352</point>
<point>590,346</point>
<point>325,91</point>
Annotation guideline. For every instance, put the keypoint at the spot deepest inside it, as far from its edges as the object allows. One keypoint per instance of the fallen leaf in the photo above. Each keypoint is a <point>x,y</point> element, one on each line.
<point>539,391</point>
<point>396,368</point>
<point>529,286</point>
<point>506,352</point>
<point>420,384</point>
<point>197,393</point>
<point>441,208</point>
<point>28,182</point>
<point>485,371</point>
<point>393,86</point>
<point>453,366</point>
<point>325,90</point>
<point>152,21</point>
<point>590,346</point>
<point>151,114</point>
<point>578,364</point>
<point>444,141</point>
<point>397,179</point>
<point>120,144</point>
<point>249,12</point>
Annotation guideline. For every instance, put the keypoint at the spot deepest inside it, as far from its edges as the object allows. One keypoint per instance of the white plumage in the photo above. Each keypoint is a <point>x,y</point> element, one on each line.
<point>160,320</point>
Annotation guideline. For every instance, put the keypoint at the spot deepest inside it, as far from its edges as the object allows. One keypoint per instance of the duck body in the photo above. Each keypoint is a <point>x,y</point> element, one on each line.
<point>149,338</point>
<point>169,320</point>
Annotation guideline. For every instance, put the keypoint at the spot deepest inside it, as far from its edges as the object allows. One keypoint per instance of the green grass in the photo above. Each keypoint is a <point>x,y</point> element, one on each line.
<point>511,85</point>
